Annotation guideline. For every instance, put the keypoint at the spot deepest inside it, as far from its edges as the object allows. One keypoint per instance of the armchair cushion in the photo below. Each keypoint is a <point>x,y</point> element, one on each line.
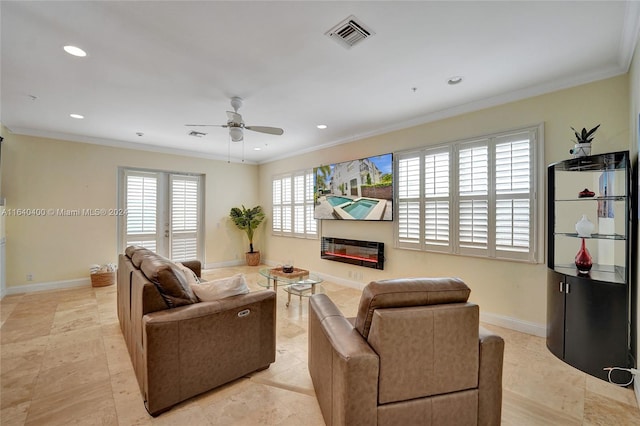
<point>406,292</point>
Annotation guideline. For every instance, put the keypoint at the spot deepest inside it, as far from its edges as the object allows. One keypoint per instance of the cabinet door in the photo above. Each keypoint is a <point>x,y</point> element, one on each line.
<point>555,313</point>
<point>595,325</point>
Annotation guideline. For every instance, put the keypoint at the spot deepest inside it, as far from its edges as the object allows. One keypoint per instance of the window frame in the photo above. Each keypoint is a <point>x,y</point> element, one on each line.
<point>295,202</point>
<point>534,254</point>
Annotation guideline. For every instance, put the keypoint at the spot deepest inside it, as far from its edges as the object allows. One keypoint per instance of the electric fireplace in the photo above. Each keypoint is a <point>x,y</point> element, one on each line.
<point>362,253</point>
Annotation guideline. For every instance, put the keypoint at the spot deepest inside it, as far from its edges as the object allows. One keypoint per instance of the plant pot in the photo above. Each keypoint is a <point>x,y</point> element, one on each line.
<point>253,258</point>
<point>581,150</point>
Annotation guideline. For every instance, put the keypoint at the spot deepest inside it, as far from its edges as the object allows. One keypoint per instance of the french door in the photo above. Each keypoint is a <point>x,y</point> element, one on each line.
<point>164,213</point>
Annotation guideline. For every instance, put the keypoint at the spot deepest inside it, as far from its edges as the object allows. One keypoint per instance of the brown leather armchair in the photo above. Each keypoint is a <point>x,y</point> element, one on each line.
<point>414,355</point>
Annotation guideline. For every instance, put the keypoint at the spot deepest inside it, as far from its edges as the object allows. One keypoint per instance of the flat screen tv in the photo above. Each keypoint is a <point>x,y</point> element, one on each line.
<point>355,190</point>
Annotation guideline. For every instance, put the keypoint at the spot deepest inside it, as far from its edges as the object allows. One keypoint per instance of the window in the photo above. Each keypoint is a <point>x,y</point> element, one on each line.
<point>163,213</point>
<point>475,197</point>
<point>293,205</point>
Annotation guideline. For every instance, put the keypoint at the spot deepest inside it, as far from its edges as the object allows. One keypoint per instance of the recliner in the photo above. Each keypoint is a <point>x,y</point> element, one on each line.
<point>414,355</point>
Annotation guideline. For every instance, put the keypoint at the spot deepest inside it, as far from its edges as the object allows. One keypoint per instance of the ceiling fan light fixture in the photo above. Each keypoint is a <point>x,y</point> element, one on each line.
<point>235,133</point>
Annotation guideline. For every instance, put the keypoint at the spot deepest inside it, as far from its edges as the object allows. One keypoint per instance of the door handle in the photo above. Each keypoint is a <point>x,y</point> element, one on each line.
<point>567,288</point>
<point>166,234</point>
<point>561,287</point>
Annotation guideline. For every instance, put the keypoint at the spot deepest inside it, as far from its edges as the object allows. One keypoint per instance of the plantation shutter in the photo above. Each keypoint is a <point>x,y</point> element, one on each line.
<point>477,198</point>
<point>299,199</point>
<point>473,193</point>
<point>409,215</point>
<point>437,199</point>
<point>292,204</point>
<point>311,224</point>
<point>513,194</point>
<point>141,204</point>
<point>185,217</point>
<point>276,221</point>
<point>286,206</point>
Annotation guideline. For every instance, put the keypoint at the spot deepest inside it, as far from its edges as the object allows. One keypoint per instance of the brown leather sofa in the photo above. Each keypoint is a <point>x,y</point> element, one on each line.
<point>179,346</point>
<point>414,355</point>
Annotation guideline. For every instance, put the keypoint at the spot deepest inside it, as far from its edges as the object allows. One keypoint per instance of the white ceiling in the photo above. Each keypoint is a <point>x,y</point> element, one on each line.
<point>153,66</point>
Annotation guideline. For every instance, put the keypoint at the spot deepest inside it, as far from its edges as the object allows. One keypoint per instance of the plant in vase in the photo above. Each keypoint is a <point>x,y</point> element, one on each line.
<point>582,147</point>
<point>248,220</point>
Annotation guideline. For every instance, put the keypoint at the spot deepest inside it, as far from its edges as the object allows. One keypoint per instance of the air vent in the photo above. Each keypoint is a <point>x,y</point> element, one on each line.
<point>197,134</point>
<point>349,32</point>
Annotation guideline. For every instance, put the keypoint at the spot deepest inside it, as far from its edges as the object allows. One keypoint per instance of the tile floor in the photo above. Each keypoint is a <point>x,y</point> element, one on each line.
<point>64,361</point>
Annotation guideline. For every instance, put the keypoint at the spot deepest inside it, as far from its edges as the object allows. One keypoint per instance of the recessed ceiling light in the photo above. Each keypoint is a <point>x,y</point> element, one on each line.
<point>75,51</point>
<point>454,80</point>
<point>78,116</point>
<point>257,148</point>
<point>321,126</point>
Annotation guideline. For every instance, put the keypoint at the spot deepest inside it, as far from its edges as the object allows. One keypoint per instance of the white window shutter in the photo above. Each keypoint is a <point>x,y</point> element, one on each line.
<point>141,203</point>
<point>436,192</point>
<point>184,217</point>
<point>409,220</point>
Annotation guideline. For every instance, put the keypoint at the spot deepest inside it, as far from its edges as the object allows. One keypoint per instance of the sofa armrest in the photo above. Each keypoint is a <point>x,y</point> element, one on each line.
<point>194,348</point>
<point>490,378</point>
<point>195,266</point>
<point>343,367</point>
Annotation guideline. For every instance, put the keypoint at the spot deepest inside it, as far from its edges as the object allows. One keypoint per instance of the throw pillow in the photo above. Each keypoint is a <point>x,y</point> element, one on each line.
<point>221,288</point>
<point>191,276</point>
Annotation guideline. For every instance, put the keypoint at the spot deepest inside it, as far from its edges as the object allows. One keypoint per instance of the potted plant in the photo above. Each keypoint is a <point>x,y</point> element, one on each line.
<point>582,147</point>
<point>248,220</point>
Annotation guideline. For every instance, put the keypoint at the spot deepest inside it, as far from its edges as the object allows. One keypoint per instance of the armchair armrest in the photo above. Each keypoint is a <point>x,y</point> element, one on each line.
<point>343,367</point>
<point>490,378</point>
<point>194,348</point>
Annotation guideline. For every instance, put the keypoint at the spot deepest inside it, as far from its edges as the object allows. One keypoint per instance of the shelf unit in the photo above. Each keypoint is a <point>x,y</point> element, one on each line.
<point>589,315</point>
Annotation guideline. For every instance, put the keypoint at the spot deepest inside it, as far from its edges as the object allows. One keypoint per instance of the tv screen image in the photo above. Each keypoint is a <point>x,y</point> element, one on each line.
<point>355,190</point>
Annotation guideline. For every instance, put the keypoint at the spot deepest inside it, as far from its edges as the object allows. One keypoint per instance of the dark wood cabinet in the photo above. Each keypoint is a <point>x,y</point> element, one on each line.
<point>588,314</point>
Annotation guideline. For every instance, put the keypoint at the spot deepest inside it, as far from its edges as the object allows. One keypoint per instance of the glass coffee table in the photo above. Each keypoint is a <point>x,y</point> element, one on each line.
<point>299,282</point>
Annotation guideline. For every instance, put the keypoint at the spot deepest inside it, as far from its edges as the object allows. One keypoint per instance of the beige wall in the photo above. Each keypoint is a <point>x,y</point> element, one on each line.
<point>47,173</point>
<point>509,289</point>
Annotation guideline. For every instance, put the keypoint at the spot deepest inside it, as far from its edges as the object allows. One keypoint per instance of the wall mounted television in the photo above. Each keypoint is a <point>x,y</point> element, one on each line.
<point>355,190</point>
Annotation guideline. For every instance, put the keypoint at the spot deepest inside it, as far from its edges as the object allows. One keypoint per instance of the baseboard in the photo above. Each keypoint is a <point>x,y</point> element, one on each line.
<point>533,328</point>
<point>52,285</point>
<point>225,264</point>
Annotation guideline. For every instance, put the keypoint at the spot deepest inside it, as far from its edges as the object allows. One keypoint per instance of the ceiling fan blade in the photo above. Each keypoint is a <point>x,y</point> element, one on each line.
<point>206,125</point>
<point>234,117</point>
<point>262,129</point>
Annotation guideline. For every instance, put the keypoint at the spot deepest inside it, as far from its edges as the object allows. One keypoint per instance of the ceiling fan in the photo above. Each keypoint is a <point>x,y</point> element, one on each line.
<point>236,125</point>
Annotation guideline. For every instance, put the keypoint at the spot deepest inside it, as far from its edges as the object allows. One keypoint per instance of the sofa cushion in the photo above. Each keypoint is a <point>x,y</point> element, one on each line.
<point>406,292</point>
<point>221,288</point>
<point>168,279</point>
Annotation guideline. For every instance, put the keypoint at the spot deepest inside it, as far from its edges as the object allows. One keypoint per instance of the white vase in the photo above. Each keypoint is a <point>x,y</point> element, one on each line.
<point>584,227</point>
<point>581,150</point>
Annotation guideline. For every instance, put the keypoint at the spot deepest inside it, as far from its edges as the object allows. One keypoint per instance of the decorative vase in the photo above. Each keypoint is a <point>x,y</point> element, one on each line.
<point>253,258</point>
<point>584,262</point>
<point>584,227</point>
<point>581,150</point>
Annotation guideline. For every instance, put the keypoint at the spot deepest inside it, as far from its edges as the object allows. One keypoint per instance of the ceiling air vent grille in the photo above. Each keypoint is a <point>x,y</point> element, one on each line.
<point>349,32</point>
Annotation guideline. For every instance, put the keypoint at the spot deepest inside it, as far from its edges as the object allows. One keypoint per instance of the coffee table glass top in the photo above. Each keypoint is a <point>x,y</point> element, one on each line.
<point>300,283</point>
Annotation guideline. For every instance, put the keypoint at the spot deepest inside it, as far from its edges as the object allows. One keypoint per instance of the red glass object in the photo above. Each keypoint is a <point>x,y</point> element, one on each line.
<point>584,261</point>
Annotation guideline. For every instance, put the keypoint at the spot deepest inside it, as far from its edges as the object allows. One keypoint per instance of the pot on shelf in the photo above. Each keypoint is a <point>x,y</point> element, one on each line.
<point>581,150</point>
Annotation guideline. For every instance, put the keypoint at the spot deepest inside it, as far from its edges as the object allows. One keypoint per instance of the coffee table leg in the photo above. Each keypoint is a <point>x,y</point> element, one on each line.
<point>288,298</point>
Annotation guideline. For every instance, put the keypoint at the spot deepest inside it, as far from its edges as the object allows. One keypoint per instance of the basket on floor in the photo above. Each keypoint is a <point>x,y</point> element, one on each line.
<point>103,279</point>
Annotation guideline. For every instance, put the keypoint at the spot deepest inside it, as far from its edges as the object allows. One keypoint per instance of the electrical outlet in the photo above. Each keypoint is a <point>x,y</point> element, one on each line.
<point>29,277</point>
